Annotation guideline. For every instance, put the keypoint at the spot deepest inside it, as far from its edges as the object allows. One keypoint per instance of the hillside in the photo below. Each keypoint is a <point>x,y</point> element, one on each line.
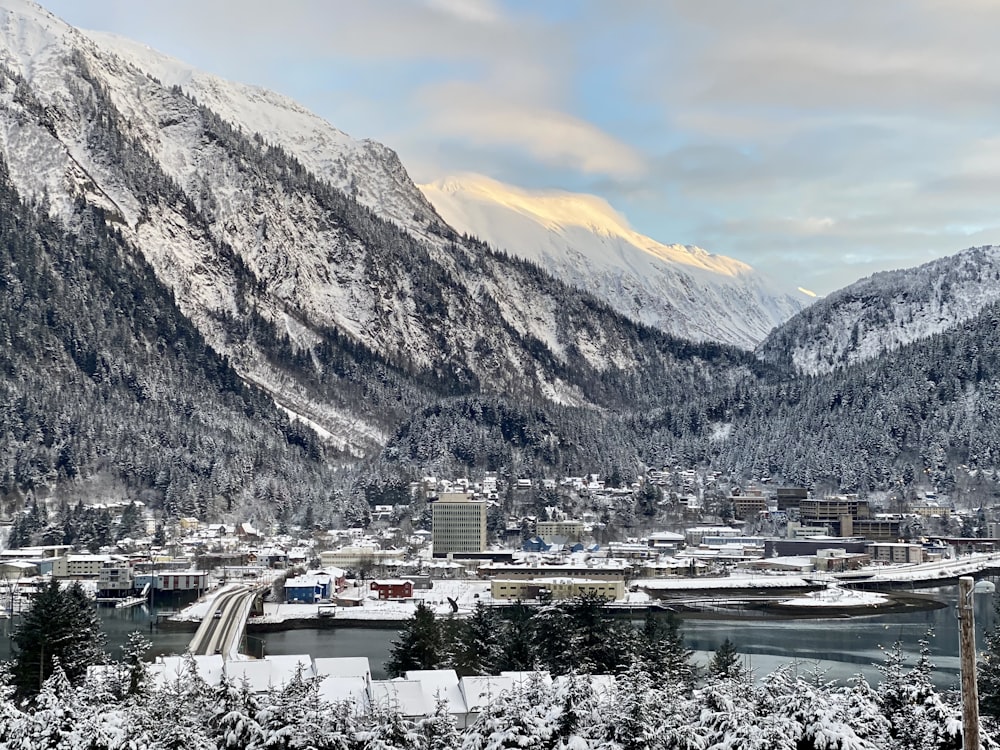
<point>344,317</point>
<point>885,311</point>
<point>220,323</point>
<point>582,240</point>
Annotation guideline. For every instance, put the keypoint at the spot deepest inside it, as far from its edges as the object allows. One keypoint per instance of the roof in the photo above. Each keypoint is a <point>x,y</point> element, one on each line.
<point>480,692</point>
<point>168,668</point>
<point>258,674</point>
<point>351,689</point>
<point>441,683</point>
<point>344,666</point>
<point>285,666</point>
<point>405,696</point>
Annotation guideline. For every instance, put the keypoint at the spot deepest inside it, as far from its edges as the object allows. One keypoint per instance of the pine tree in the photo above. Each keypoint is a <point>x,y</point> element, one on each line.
<point>419,644</point>
<point>61,626</point>
<point>726,661</point>
<point>517,637</point>
<point>439,730</point>
<point>235,718</point>
<point>477,650</point>
<point>988,668</point>
<point>663,652</point>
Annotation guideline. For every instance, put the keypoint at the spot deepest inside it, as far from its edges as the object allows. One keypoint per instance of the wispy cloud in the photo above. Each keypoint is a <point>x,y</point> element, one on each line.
<point>813,140</point>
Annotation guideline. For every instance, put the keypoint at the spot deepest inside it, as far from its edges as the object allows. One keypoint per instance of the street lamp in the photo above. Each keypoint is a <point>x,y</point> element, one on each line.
<point>967,654</point>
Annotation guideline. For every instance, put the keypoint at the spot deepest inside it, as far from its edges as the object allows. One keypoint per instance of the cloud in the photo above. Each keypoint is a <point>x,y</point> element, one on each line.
<point>473,115</point>
<point>815,141</point>
<point>476,11</point>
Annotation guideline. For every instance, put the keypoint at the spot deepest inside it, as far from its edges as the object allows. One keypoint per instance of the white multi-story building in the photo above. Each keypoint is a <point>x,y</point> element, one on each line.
<point>459,524</point>
<point>85,566</point>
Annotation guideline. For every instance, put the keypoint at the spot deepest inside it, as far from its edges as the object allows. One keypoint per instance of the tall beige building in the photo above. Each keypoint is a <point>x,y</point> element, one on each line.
<point>458,524</point>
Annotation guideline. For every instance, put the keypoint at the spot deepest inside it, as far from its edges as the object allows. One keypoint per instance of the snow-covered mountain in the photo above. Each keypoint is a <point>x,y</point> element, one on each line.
<point>887,310</point>
<point>582,240</point>
<point>301,255</point>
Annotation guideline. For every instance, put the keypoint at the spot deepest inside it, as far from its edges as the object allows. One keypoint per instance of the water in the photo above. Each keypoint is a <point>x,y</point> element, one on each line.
<point>840,648</point>
<point>843,648</point>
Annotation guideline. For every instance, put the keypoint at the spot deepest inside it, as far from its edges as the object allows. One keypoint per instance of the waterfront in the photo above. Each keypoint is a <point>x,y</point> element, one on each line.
<point>840,647</point>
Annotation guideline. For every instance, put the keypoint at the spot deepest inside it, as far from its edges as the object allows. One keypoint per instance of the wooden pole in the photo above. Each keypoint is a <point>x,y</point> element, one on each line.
<point>967,654</point>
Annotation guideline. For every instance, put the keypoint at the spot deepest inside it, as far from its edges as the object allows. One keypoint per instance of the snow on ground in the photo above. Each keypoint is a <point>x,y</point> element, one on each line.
<point>465,594</point>
<point>929,571</point>
<point>834,596</point>
<point>738,581</point>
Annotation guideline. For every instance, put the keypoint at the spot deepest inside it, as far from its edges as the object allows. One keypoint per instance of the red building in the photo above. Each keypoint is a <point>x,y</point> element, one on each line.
<point>393,588</point>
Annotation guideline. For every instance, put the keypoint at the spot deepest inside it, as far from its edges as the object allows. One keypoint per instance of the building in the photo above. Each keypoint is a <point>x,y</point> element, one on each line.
<point>359,557</point>
<point>895,552</point>
<point>556,588</point>
<point>665,541</point>
<point>309,588</point>
<point>393,588</point>
<point>609,570</point>
<point>572,531</point>
<point>115,578</point>
<point>789,498</point>
<point>175,580</point>
<point>695,534</point>
<point>838,560</point>
<point>840,512</point>
<point>458,524</point>
<point>85,566</point>
<point>878,529</point>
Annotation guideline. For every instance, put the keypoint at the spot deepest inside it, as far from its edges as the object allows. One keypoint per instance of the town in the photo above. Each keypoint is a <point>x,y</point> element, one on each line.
<point>695,539</point>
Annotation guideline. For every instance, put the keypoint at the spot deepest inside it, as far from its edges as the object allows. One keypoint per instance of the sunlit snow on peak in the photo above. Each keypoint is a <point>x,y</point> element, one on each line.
<point>582,239</point>
<point>560,211</point>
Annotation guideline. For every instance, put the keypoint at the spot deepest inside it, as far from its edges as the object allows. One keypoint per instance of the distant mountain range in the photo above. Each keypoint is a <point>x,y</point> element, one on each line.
<point>582,240</point>
<point>214,301</point>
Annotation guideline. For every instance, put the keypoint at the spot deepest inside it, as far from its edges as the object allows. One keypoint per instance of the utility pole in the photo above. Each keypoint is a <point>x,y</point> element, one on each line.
<point>967,655</point>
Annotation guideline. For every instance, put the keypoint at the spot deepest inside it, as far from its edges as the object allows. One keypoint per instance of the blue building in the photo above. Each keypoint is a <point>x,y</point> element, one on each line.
<point>308,589</point>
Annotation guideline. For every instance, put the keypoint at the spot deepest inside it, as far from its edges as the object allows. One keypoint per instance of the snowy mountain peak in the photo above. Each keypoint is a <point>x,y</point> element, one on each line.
<point>27,31</point>
<point>559,211</point>
<point>582,239</point>
<point>367,170</point>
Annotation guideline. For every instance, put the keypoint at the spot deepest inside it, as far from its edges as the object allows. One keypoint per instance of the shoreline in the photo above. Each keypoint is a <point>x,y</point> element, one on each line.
<point>728,607</point>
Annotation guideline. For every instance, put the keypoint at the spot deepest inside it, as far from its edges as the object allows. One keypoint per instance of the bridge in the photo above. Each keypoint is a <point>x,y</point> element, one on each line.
<point>222,629</point>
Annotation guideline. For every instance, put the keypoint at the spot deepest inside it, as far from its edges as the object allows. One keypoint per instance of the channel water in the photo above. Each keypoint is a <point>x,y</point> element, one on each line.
<point>839,648</point>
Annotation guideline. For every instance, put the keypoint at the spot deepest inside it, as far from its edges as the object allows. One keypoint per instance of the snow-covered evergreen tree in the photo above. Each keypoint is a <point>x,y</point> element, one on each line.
<point>61,626</point>
<point>419,643</point>
<point>439,731</point>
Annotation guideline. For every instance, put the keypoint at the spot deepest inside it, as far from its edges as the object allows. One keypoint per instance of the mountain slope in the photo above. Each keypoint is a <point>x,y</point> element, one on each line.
<point>580,239</point>
<point>109,392</point>
<point>368,171</point>
<point>885,311</point>
<point>344,317</point>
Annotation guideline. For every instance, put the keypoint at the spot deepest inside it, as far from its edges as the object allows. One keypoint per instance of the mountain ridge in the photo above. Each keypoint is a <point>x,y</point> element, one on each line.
<point>681,289</point>
<point>886,310</point>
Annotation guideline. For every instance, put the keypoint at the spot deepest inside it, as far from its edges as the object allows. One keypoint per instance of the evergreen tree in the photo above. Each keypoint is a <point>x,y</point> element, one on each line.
<point>517,653</point>
<point>128,525</point>
<point>477,650</point>
<point>61,626</point>
<point>439,731</point>
<point>419,645</point>
<point>726,661</point>
<point>988,668</point>
<point>663,653</point>
<point>234,721</point>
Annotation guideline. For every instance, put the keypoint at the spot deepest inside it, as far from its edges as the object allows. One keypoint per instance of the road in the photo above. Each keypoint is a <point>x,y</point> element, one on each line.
<point>222,634</point>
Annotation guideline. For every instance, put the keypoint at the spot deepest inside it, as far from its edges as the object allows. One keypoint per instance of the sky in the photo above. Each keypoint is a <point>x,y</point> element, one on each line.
<point>817,141</point>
